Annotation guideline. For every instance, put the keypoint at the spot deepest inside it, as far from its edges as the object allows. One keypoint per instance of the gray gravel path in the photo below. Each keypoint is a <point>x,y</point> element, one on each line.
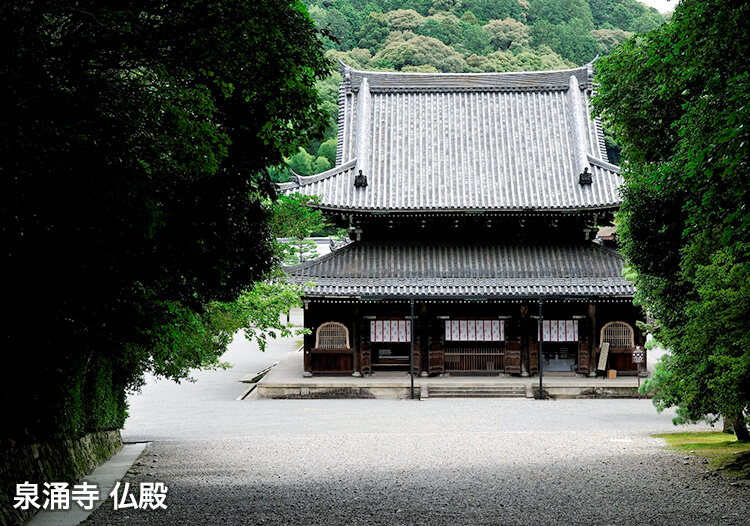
<point>437,462</point>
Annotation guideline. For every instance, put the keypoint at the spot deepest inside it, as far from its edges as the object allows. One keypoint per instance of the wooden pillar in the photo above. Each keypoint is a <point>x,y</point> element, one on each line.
<point>356,343</point>
<point>513,357</point>
<point>308,340</point>
<point>592,338</point>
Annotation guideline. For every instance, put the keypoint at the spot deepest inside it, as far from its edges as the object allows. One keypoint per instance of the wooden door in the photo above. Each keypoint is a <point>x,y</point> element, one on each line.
<point>437,359</point>
<point>584,364</point>
<point>513,358</point>
<point>533,358</point>
<point>366,358</point>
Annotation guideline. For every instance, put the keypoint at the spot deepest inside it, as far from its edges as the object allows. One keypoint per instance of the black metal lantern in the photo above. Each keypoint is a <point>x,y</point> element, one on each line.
<point>360,181</point>
<point>585,177</point>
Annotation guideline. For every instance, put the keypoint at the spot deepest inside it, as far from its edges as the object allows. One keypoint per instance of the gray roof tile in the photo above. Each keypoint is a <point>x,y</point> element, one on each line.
<point>440,142</point>
<point>452,270</point>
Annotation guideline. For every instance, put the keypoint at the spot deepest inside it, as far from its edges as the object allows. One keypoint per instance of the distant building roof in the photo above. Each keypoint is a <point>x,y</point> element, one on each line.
<point>484,141</point>
<point>440,270</point>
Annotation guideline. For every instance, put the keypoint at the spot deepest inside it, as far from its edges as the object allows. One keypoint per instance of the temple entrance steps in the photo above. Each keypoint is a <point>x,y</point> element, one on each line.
<point>475,391</point>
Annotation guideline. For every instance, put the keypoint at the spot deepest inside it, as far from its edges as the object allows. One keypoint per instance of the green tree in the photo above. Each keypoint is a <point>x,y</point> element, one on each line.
<point>622,17</point>
<point>404,19</point>
<point>558,12</point>
<point>628,15</point>
<point>294,218</point>
<point>420,51</point>
<point>570,40</point>
<point>301,162</point>
<point>609,39</point>
<point>503,33</point>
<point>474,39</point>
<point>443,27</point>
<point>336,25</point>
<point>321,164</point>
<point>374,32</point>
<point>439,6</point>
<point>486,10</point>
<point>328,150</point>
<point>134,146</point>
<point>469,18</point>
<point>678,99</point>
<point>647,21</point>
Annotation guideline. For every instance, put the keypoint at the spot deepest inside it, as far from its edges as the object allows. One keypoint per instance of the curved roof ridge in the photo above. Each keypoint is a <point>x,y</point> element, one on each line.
<point>557,79</point>
<point>302,180</point>
<point>479,74</point>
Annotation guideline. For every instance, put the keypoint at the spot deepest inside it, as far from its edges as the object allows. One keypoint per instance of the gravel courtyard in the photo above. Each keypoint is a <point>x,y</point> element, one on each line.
<point>436,462</point>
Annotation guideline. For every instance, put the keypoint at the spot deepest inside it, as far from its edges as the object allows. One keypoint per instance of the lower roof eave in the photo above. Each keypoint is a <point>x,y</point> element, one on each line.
<point>469,299</point>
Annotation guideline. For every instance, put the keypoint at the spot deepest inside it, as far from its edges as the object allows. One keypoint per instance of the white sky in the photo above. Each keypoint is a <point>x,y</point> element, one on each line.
<point>662,5</point>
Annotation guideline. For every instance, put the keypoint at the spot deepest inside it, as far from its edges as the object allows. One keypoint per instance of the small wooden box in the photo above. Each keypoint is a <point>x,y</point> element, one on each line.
<point>611,374</point>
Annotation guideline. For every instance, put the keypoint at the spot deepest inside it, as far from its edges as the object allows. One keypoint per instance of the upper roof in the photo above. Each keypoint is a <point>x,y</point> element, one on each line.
<point>451,142</point>
<point>452,270</point>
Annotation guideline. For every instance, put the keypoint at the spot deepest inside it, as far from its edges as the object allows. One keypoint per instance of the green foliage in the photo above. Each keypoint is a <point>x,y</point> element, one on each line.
<point>503,33</point>
<point>439,6</point>
<point>321,164</point>
<point>609,39</point>
<point>678,98</point>
<point>328,150</point>
<point>294,219</point>
<point>294,216</point>
<point>486,10</point>
<point>469,18</point>
<point>474,39</point>
<point>571,40</point>
<point>301,162</point>
<point>419,51</point>
<point>374,32</point>
<point>134,151</point>
<point>647,21</point>
<point>336,24</point>
<point>511,25</point>
<point>557,12</point>
<point>404,19</point>
<point>628,15</point>
<point>445,28</point>
<point>259,311</point>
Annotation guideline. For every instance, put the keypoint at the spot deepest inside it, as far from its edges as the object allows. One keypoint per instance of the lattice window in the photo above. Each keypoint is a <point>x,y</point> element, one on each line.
<point>332,335</point>
<point>618,334</point>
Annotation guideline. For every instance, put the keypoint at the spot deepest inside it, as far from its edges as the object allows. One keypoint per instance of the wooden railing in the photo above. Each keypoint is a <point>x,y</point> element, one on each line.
<point>468,360</point>
<point>329,360</point>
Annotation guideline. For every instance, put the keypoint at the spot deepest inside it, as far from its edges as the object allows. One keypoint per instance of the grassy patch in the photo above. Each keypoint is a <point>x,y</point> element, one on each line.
<point>722,449</point>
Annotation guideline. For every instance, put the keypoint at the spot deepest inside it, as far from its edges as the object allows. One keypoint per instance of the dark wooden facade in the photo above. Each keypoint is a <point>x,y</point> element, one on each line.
<point>516,354</point>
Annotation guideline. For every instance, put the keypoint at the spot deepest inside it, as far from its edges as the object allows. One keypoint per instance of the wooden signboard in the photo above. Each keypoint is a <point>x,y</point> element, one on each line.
<point>603,357</point>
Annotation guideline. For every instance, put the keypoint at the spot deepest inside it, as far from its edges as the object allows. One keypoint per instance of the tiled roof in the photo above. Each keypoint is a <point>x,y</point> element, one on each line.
<point>488,141</point>
<point>442,270</point>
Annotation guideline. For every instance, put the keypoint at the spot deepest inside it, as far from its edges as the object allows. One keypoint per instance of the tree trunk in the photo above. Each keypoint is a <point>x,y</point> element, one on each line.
<point>727,428</point>
<point>737,422</point>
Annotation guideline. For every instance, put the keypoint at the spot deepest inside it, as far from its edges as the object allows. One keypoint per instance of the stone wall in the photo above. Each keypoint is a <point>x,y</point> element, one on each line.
<point>59,461</point>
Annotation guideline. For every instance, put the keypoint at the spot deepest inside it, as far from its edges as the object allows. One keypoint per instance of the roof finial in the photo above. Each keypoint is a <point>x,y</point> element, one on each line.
<point>360,181</point>
<point>585,177</point>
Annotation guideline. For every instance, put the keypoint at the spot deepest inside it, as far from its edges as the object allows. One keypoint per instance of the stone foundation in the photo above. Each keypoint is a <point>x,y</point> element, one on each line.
<point>59,461</point>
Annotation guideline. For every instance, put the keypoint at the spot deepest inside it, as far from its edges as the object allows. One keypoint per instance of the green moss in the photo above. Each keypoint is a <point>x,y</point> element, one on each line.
<point>723,450</point>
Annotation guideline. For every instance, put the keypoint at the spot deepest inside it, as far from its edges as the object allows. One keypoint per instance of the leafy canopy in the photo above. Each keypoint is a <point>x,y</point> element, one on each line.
<point>134,144</point>
<point>679,100</point>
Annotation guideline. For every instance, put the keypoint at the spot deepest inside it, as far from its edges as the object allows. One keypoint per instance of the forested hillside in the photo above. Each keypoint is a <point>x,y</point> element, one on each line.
<point>453,36</point>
